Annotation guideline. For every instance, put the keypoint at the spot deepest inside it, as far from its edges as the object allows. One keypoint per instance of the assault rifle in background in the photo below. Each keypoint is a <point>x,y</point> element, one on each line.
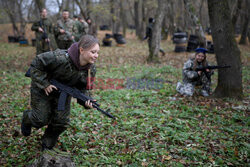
<point>45,34</point>
<point>203,69</point>
<point>66,91</point>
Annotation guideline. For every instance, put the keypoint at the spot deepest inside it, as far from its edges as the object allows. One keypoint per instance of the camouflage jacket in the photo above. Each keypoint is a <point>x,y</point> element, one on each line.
<point>189,75</point>
<point>81,30</point>
<point>68,26</point>
<point>85,27</point>
<point>46,25</point>
<point>58,65</point>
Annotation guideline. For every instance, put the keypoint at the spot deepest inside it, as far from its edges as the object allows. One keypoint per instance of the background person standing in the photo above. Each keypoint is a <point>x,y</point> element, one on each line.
<point>64,31</point>
<point>44,31</point>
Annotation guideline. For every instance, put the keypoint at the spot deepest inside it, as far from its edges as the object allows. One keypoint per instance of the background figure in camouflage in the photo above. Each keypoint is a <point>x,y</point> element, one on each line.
<point>44,30</point>
<point>70,68</point>
<point>65,30</point>
<point>149,33</point>
<point>85,26</point>
<point>92,27</point>
<point>192,78</point>
<point>81,28</point>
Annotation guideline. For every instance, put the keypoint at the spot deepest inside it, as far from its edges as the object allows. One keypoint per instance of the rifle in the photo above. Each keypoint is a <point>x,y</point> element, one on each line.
<point>211,68</point>
<point>44,35</point>
<point>68,34</point>
<point>203,69</point>
<point>65,91</point>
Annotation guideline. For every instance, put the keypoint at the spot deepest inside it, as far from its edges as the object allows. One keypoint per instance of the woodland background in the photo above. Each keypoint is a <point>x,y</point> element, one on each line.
<point>154,127</point>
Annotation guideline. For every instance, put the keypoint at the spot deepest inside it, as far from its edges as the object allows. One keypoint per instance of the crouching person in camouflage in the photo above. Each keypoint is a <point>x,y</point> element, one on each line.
<point>68,67</point>
<point>193,78</point>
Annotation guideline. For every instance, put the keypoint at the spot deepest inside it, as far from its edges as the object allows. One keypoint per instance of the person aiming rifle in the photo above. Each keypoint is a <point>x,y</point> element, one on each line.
<point>43,30</point>
<point>71,68</point>
<point>195,74</point>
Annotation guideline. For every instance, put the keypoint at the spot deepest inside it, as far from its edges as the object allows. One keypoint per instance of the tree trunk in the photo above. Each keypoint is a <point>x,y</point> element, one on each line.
<point>226,49</point>
<point>200,13</point>
<point>40,4</point>
<point>235,14</point>
<point>156,32</point>
<point>248,35</point>
<point>123,17</point>
<point>89,8</point>
<point>142,23</point>
<point>164,28</point>
<point>137,17</point>
<point>81,8</point>
<point>112,12</point>
<point>10,8</point>
<point>21,18</point>
<point>171,17</point>
<point>60,5</point>
<point>243,39</point>
<point>67,5</point>
<point>195,21</point>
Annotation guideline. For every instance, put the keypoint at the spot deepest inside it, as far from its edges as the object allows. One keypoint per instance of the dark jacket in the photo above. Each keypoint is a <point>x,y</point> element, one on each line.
<point>59,66</point>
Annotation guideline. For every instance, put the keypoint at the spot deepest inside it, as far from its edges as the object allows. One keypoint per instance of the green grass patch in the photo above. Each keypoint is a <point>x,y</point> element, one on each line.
<point>154,127</point>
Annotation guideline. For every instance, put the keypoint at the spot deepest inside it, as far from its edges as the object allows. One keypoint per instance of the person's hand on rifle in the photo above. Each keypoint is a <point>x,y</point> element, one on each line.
<point>62,31</point>
<point>89,104</point>
<point>199,73</point>
<point>207,70</point>
<point>47,40</point>
<point>40,29</point>
<point>49,89</point>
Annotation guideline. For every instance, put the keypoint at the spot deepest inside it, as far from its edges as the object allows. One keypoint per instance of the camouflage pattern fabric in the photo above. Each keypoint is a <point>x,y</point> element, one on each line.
<point>82,29</point>
<point>41,45</point>
<point>56,65</point>
<point>85,27</point>
<point>191,79</point>
<point>64,40</point>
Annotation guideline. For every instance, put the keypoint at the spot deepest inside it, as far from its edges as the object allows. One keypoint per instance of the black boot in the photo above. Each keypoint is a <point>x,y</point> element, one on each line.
<point>50,137</point>
<point>44,147</point>
<point>25,128</point>
<point>162,52</point>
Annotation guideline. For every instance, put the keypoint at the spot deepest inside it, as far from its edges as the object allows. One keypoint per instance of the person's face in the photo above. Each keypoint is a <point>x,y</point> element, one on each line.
<point>200,57</point>
<point>44,13</point>
<point>89,56</point>
<point>65,15</point>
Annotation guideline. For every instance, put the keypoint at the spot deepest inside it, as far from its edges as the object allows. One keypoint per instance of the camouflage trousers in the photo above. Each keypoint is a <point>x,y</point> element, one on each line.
<point>44,112</point>
<point>188,88</point>
<point>42,46</point>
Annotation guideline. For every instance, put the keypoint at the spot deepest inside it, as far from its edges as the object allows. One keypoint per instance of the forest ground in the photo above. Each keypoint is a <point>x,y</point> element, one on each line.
<point>154,126</point>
